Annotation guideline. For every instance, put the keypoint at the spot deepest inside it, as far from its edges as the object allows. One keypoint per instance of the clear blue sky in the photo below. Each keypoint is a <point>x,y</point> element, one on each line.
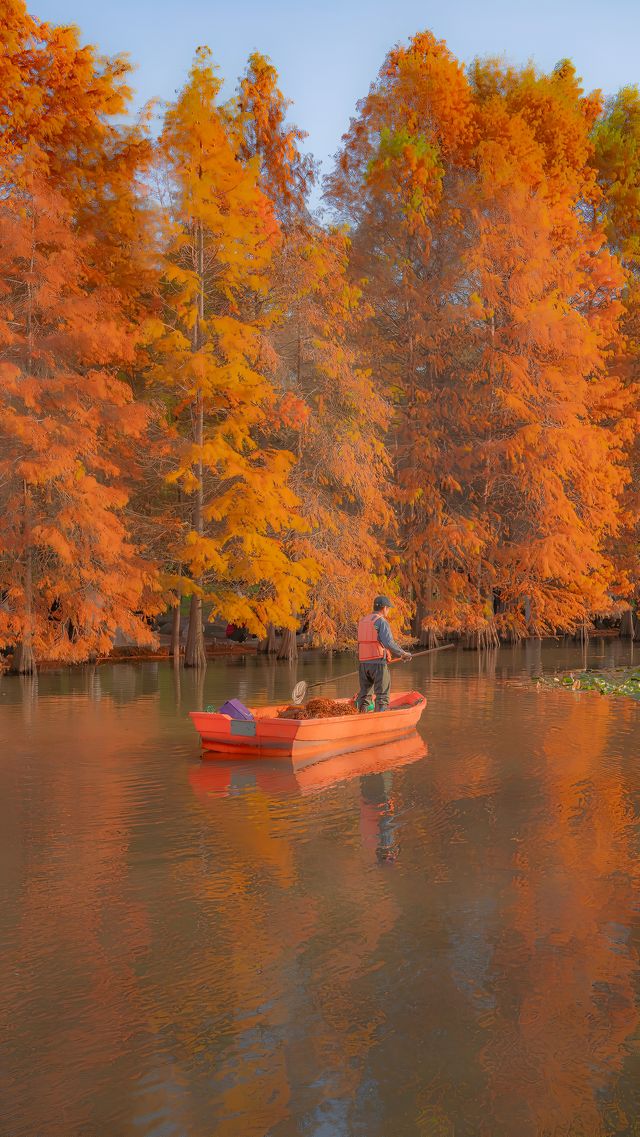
<point>328,53</point>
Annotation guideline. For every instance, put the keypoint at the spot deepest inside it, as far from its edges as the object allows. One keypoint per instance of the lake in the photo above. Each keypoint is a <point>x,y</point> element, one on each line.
<point>446,947</point>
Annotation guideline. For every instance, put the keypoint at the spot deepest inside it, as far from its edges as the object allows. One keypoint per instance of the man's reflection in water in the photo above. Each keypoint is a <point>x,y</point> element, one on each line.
<point>377,816</point>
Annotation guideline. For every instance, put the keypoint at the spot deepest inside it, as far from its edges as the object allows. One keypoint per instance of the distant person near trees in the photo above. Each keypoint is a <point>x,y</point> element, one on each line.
<point>238,635</point>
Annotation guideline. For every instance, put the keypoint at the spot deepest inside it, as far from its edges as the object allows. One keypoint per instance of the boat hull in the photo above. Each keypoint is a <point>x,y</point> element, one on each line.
<point>306,741</point>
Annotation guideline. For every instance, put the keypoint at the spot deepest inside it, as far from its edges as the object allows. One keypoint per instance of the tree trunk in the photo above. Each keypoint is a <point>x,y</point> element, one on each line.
<point>420,634</point>
<point>425,637</point>
<point>417,620</point>
<point>269,646</point>
<point>626,624</point>
<point>289,646</point>
<point>582,634</point>
<point>194,655</point>
<point>24,662</point>
<point>487,638</point>
<point>174,647</point>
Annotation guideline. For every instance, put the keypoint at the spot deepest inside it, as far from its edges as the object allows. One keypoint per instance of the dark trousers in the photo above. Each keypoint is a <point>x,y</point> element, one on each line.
<point>374,676</point>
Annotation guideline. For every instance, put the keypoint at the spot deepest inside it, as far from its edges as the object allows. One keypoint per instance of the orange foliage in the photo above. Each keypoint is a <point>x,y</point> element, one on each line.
<point>260,118</point>
<point>617,160</point>
<point>342,468</point>
<point>437,394</point>
<point>544,319</point>
<point>330,412</point>
<point>495,316</point>
<point>70,574</point>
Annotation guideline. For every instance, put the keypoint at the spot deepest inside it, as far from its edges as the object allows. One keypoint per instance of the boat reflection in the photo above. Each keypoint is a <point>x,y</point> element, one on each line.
<point>225,779</point>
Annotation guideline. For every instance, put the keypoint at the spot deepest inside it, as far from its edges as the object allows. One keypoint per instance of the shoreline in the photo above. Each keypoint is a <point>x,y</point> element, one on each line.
<point>139,655</point>
<point>221,649</point>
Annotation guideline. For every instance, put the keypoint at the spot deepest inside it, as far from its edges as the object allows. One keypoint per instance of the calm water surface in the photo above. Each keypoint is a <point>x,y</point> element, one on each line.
<point>449,946</point>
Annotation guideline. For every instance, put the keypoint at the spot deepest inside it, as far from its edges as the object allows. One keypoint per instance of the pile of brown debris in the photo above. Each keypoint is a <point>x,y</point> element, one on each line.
<point>319,709</point>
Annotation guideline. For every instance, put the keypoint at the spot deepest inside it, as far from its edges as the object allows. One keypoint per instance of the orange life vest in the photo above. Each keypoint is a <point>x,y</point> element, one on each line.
<point>369,646</point>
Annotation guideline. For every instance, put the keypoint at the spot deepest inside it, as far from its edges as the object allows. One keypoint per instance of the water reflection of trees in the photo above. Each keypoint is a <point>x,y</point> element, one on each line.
<point>255,964</point>
<point>292,938</point>
<point>566,998</point>
<point>539,849</point>
<point>71,926</point>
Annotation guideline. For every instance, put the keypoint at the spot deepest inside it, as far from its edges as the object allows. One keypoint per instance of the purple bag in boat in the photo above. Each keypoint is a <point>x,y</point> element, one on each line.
<point>236,710</point>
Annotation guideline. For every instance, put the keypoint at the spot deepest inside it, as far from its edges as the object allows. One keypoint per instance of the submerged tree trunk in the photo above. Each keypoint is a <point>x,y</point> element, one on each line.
<point>174,647</point>
<point>269,645</point>
<point>582,633</point>
<point>626,624</point>
<point>194,655</point>
<point>289,646</point>
<point>488,637</point>
<point>420,634</point>
<point>426,637</point>
<point>24,662</point>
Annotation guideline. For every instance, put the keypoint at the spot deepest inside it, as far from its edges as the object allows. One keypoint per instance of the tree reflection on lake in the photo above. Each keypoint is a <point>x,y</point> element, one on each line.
<point>447,945</point>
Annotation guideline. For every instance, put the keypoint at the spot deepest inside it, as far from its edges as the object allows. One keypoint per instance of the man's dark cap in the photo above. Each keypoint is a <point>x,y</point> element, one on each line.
<point>381,602</point>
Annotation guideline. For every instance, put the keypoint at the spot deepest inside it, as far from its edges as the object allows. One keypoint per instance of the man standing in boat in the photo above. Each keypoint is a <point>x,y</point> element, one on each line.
<point>376,646</point>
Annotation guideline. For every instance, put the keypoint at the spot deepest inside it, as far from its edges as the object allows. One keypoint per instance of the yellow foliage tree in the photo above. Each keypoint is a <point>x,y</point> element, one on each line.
<point>214,364</point>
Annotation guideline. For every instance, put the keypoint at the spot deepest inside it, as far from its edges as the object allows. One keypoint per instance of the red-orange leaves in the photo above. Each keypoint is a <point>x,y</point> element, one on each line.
<point>72,571</point>
<point>494,313</point>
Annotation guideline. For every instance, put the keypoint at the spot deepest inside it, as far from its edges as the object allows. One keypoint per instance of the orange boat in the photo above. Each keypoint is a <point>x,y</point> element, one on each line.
<point>222,779</point>
<point>305,741</point>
